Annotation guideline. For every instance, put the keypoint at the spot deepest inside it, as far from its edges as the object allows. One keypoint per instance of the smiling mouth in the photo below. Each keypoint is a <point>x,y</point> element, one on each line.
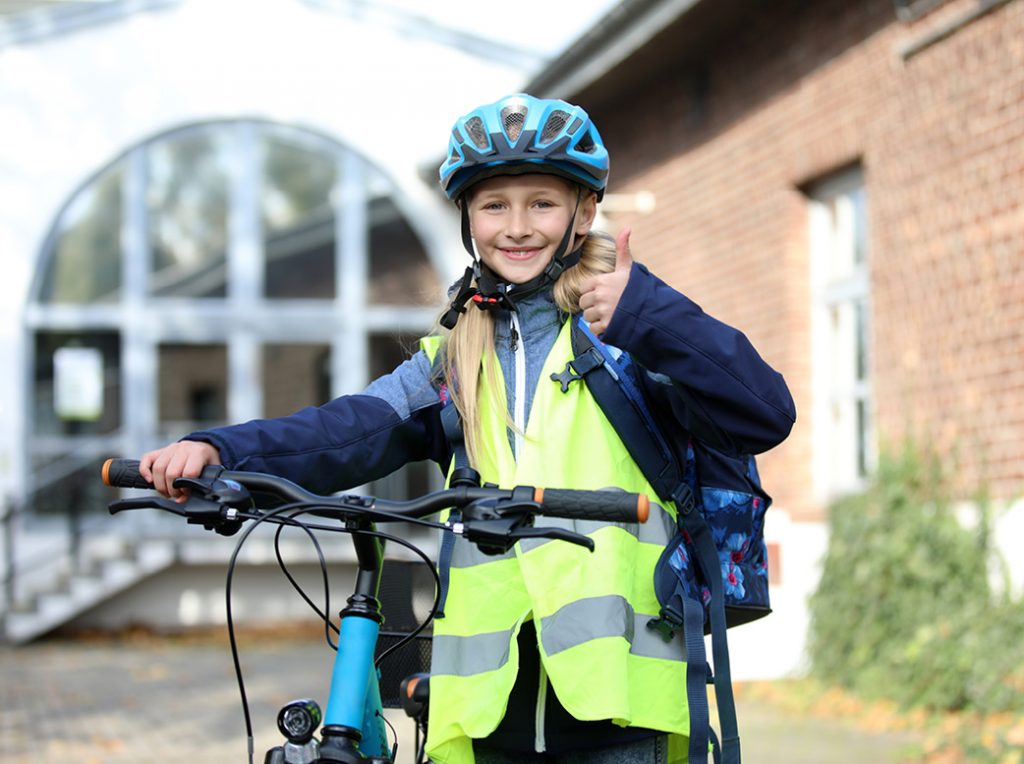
<point>520,254</point>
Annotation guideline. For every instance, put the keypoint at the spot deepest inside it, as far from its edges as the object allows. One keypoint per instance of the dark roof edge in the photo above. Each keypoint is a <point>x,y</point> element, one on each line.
<point>620,33</point>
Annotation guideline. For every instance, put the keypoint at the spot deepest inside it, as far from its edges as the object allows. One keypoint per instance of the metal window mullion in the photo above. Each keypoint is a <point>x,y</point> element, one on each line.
<point>245,276</point>
<point>138,346</point>
<point>350,347</point>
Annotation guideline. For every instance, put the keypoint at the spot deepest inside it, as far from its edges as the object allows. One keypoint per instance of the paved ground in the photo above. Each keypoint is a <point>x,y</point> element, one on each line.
<point>177,701</point>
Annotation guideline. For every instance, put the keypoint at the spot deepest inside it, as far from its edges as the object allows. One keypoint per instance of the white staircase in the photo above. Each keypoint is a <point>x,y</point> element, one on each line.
<point>103,571</point>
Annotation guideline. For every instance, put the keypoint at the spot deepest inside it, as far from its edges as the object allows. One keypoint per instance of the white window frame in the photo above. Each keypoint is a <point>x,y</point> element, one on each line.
<point>844,447</point>
<point>244,321</point>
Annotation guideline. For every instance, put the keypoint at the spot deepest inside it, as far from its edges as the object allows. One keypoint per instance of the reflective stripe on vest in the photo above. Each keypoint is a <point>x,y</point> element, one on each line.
<point>612,616</point>
<point>590,609</point>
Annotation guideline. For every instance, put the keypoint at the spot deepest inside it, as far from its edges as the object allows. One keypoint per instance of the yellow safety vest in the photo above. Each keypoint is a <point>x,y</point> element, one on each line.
<point>590,609</point>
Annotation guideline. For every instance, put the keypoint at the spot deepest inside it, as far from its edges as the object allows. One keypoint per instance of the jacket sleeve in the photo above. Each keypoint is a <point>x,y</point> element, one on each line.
<point>705,373</point>
<point>349,441</point>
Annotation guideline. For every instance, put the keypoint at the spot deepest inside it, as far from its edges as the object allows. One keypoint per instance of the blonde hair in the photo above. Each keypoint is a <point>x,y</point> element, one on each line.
<point>471,342</point>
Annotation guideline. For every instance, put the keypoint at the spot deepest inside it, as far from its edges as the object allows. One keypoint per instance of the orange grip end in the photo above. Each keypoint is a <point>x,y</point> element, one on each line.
<point>538,495</point>
<point>643,508</point>
<point>411,686</point>
<point>105,472</point>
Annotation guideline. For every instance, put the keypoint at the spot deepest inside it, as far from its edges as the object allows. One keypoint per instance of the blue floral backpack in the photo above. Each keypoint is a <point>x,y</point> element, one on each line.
<point>714,572</point>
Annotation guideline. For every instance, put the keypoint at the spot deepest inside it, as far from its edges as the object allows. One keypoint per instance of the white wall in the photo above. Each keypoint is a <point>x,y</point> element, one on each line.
<point>190,596</point>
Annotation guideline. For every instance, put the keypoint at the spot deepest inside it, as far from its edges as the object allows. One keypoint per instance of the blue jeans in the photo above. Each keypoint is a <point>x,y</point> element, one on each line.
<point>652,750</point>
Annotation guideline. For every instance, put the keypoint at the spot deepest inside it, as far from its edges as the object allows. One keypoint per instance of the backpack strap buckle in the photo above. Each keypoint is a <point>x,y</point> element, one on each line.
<point>578,368</point>
<point>668,622</point>
<point>684,499</point>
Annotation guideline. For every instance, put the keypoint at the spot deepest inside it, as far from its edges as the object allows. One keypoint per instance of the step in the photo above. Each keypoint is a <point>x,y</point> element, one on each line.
<point>84,591</point>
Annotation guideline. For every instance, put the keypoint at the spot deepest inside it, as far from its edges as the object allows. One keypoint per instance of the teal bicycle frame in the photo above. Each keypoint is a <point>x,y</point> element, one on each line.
<point>351,723</point>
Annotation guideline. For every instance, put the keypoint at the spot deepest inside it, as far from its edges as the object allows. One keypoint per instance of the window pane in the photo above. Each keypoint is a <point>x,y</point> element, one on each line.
<point>387,351</point>
<point>67,482</point>
<point>860,228</point>
<point>85,264</point>
<point>187,200</point>
<point>842,353</point>
<point>298,220</point>
<point>193,382</point>
<point>863,423</point>
<point>295,376</point>
<point>400,273</point>
<point>862,340</point>
<point>47,419</point>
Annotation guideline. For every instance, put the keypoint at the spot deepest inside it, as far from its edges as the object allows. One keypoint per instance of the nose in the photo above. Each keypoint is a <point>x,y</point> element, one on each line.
<point>518,224</point>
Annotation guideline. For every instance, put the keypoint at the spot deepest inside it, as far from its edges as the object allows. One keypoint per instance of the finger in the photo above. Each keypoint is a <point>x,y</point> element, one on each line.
<point>194,463</point>
<point>623,256</point>
<point>146,465</point>
<point>174,471</point>
<point>587,300</point>
<point>157,473</point>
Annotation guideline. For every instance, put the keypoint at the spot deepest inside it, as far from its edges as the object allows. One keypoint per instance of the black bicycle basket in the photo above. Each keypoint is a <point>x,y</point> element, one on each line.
<point>406,594</point>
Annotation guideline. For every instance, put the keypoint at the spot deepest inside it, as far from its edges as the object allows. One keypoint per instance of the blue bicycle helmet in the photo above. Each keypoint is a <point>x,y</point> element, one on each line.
<point>521,134</point>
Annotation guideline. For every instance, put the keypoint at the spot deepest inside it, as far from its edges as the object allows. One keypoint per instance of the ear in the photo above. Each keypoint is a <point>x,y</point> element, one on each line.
<point>586,213</point>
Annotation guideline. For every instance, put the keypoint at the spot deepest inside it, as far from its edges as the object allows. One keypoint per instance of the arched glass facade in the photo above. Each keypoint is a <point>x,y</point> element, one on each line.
<point>216,273</point>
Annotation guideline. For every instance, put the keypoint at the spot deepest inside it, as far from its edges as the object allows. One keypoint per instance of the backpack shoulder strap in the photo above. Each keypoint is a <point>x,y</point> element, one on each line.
<point>623,403</point>
<point>608,376</point>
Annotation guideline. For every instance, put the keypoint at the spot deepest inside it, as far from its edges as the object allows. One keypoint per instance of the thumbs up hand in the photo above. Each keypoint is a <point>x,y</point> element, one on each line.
<point>601,293</point>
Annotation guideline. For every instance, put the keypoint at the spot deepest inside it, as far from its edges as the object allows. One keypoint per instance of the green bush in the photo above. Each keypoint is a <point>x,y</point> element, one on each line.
<point>904,609</point>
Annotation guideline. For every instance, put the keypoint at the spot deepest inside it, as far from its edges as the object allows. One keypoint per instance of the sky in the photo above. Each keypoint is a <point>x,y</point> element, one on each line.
<point>544,26</point>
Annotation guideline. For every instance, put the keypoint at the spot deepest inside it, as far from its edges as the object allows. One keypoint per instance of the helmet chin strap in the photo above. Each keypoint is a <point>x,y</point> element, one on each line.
<point>490,292</point>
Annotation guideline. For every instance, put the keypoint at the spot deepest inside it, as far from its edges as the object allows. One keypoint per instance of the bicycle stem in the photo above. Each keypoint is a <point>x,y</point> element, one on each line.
<point>354,686</point>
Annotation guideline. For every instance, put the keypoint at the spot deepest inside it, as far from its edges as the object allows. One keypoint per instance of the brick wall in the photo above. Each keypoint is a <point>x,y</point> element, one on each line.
<point>795,92</point>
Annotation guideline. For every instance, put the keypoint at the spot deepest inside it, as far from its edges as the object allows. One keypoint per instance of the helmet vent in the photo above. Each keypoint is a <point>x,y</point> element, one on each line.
<point>586,144</point>
<point>512,119</point>
<point>475,128</point>
<point>554,125</point>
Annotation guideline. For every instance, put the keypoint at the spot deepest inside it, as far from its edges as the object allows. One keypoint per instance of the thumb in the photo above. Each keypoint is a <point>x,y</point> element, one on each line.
<point>623,257</point>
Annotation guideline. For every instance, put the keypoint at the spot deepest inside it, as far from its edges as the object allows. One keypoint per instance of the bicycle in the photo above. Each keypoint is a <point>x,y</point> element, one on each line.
<point>352,728</point>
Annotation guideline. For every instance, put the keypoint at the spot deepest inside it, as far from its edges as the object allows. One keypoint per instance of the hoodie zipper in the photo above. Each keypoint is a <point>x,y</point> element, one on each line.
<point>519,409</point>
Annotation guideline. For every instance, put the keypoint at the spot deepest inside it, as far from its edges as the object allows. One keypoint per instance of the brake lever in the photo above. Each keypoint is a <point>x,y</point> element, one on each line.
<point>213,516</point>
<point>558,534</point>
<point>167,505</point>
<point>497,536</point>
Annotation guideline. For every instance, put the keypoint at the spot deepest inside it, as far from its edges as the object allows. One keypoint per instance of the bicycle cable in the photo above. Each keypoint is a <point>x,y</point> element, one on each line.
<point>322,615</point>
<point>299,508</point>
<point>257,521</point>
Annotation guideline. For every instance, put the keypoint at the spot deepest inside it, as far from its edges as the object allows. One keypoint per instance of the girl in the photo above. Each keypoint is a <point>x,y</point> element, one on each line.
<point>542,653</point>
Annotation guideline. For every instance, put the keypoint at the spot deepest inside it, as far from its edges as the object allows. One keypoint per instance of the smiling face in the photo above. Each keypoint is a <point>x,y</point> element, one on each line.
<point>518,221</point>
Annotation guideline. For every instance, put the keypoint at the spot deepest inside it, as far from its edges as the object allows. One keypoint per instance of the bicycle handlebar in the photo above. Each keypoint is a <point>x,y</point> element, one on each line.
<point>123,473</point>
<point>492,518</point>
<point>609,506</point>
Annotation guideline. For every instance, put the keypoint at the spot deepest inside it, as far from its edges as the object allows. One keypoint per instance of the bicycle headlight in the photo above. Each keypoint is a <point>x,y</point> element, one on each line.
<point>299,720</point>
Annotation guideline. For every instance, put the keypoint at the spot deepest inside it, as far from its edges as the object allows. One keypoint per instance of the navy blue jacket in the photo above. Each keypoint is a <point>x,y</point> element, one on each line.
<point>703,377</point>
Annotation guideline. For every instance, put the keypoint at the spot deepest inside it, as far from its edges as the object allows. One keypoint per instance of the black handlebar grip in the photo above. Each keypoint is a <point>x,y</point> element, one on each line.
<point>612,506</point>
<point>123,473</point>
